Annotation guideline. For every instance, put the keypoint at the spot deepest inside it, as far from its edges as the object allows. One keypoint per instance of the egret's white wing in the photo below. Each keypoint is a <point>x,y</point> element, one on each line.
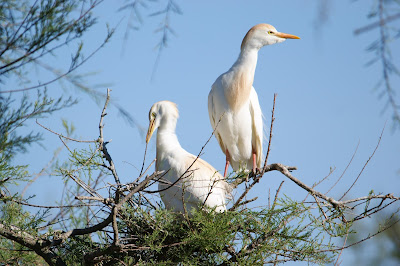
<point>215,117</point>
<point>257,126</point>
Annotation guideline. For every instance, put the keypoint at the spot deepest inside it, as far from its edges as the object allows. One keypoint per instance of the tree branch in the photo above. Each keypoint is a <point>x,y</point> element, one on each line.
<point>39,246</point>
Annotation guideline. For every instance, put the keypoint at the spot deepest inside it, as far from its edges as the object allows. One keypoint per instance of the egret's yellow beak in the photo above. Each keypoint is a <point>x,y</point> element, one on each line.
<point>286,36</point>
<point>150,131</point>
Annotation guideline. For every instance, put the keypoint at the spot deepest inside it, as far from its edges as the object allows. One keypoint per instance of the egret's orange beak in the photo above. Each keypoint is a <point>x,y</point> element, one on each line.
<point>286,36</point>
<point>150,131</point>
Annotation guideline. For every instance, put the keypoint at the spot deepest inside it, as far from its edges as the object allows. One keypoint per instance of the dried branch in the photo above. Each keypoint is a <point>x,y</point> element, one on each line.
<point>284,170</point>
<point>40,246</point>
<point>48,206</point>
<point>362,240</point>
<point>340,254</point>
<point>144,160</point>
<point>111,217</point>
<point>344,171</point>
<point>256,179</point>
<point>387,196</point>
<point>103,144</point>
<point>107,201</point>
<point>362,170</point>
<point>65,137</point>
<point>270,131</point>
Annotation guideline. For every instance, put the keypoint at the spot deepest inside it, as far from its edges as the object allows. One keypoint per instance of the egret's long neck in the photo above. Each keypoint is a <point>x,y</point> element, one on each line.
<point>247,61</point>
<point>166,137</point>
<point>241,77</point>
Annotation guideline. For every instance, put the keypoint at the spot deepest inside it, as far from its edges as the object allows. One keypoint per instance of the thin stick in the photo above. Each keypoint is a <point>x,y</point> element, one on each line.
<point>144,160</point>
<point>362,170</point>
<point>270,132</point>
<point>102,144</point>
<point>344,171</point>
<point>65,137</point>
<point>281,168</point>
<point>362,240</point>
<point>145,171</point>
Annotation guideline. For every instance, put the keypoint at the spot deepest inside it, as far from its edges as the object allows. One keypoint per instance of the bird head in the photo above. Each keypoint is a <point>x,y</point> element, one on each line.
<point>264,34</point>
<point>161,114</point>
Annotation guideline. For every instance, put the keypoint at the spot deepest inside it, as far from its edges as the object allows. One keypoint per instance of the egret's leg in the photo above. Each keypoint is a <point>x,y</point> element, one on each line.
<point>254,163</point>
<point>228,158</point>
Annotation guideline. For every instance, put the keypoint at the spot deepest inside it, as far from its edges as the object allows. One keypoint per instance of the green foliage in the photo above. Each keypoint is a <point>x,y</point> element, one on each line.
<point>12,213</point>
<point>12,118</point>
<point>206,238</point>
<point>31,31</point>
<point>34,30</point>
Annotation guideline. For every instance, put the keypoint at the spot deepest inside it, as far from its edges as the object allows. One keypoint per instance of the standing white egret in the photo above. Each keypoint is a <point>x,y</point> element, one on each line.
<point>240,131</point>
<point>188,180</point>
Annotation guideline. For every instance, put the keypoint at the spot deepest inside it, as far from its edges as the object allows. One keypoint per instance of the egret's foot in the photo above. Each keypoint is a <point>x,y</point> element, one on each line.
<point>254,173</point>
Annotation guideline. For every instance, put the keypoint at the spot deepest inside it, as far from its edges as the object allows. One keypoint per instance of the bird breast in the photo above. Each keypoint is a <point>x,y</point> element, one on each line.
<point>237,86</point>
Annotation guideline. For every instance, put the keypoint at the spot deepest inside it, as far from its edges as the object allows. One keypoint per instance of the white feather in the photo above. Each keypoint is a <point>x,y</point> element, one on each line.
<point>234,102</point>
<point>200,183</point>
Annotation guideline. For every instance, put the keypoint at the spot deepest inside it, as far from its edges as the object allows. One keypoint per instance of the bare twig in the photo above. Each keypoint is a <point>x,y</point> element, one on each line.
<point>144,160</point>
<point>283,169</point>
<point>145,171</point>
<point>209,191</point>
<point>276,194</point>
<point>83,185</point>
<point>340,254</point>
<point>49,206</point>
<point>387,196</point>
<point>256,179</point>
<point>65,137</point>
<point>270,132</point>
<point>103,144</point>
<point>331,170</point>
<point>344,171</point>
<point>106,201</point>
<point>247,201</point>
<point>366,163</point>
<point>362,240</point>
<point>108,220</point>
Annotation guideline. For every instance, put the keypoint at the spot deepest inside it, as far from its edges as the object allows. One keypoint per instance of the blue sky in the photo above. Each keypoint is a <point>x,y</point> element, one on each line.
<point>325,106</point>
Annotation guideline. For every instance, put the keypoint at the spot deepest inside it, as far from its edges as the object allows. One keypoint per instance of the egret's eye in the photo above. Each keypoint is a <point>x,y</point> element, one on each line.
<point>152,115</point>
<point>270,32</point>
